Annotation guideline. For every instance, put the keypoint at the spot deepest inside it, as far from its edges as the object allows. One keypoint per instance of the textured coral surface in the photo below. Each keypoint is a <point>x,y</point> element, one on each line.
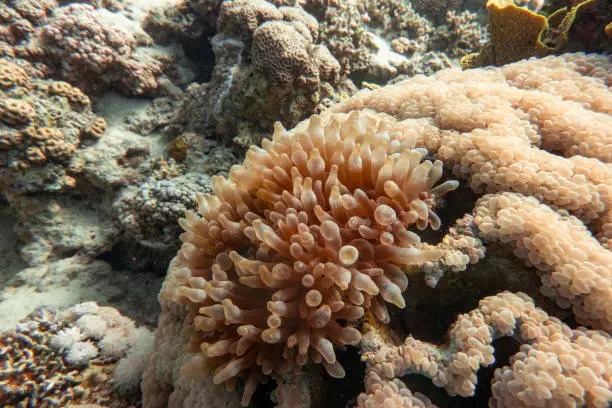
<point>42,124</point>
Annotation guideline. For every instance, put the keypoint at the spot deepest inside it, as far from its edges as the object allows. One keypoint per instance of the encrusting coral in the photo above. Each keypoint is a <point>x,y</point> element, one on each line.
<point>317,227</point>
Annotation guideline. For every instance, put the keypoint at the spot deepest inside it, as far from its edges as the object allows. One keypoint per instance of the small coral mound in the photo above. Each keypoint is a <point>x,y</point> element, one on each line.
<point>80,42</point>
<point>42,124</point>
<point>151,210</point>
<point>312,230</point>
<point>285,54</point>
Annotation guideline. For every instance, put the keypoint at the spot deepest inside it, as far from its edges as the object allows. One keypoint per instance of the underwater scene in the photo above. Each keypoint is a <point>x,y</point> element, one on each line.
<point>306,203</point>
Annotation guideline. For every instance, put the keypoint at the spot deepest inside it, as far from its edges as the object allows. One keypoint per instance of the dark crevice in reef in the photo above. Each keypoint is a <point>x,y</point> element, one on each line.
<point>454,205</point>
<point>139,258</point>
<point>342,392</point>
<point>262,398</point>
<point>200,53</point>
<point>325,391</point>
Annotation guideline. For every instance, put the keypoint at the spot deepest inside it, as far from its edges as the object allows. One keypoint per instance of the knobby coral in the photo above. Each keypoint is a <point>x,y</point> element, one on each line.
<point>42,125</point>
<point>557,366</point>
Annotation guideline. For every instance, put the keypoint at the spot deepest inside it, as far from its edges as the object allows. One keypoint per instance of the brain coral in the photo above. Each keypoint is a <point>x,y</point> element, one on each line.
<point>42,124</point>
<point>316,229</point>
<point>285,54</point>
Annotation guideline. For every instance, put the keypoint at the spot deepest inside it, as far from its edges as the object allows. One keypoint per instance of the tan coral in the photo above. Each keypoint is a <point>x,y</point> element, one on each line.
<point>297,14</point>
<point>557,366</point>
<point>15,111</point>
<point>242,17</point>
<point>574,268</point>
<point>286,54</point>
<point>42,123</point>
<point>392,394</point>
<point>281,52</point>
<point>12,75</point>
<point>96,128</point>
<point>74,94</point>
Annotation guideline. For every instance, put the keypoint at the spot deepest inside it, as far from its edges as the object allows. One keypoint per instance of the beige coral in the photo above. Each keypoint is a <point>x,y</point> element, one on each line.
<point>575,269</point>
<point>12,75</point>
<point>557,366</point>
<point>15,111</point>
<point>494,126</point>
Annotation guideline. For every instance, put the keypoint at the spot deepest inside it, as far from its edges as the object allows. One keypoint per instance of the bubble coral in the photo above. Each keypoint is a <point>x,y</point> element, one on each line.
<point>309,233</point>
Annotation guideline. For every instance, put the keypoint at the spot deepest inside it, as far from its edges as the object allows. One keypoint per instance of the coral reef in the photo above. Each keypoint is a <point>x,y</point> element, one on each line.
<point>63,357</point>
<point>288,60</point>
<point>79,42</point>
<point>318,228</point>
<point>268,66</point>
<point>518,32</point>
<point>437,241</point>
<point>42,126</point>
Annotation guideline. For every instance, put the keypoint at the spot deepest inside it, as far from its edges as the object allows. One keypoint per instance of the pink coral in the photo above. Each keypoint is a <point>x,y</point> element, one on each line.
<point>532,148</point>
<point>557,366</point>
